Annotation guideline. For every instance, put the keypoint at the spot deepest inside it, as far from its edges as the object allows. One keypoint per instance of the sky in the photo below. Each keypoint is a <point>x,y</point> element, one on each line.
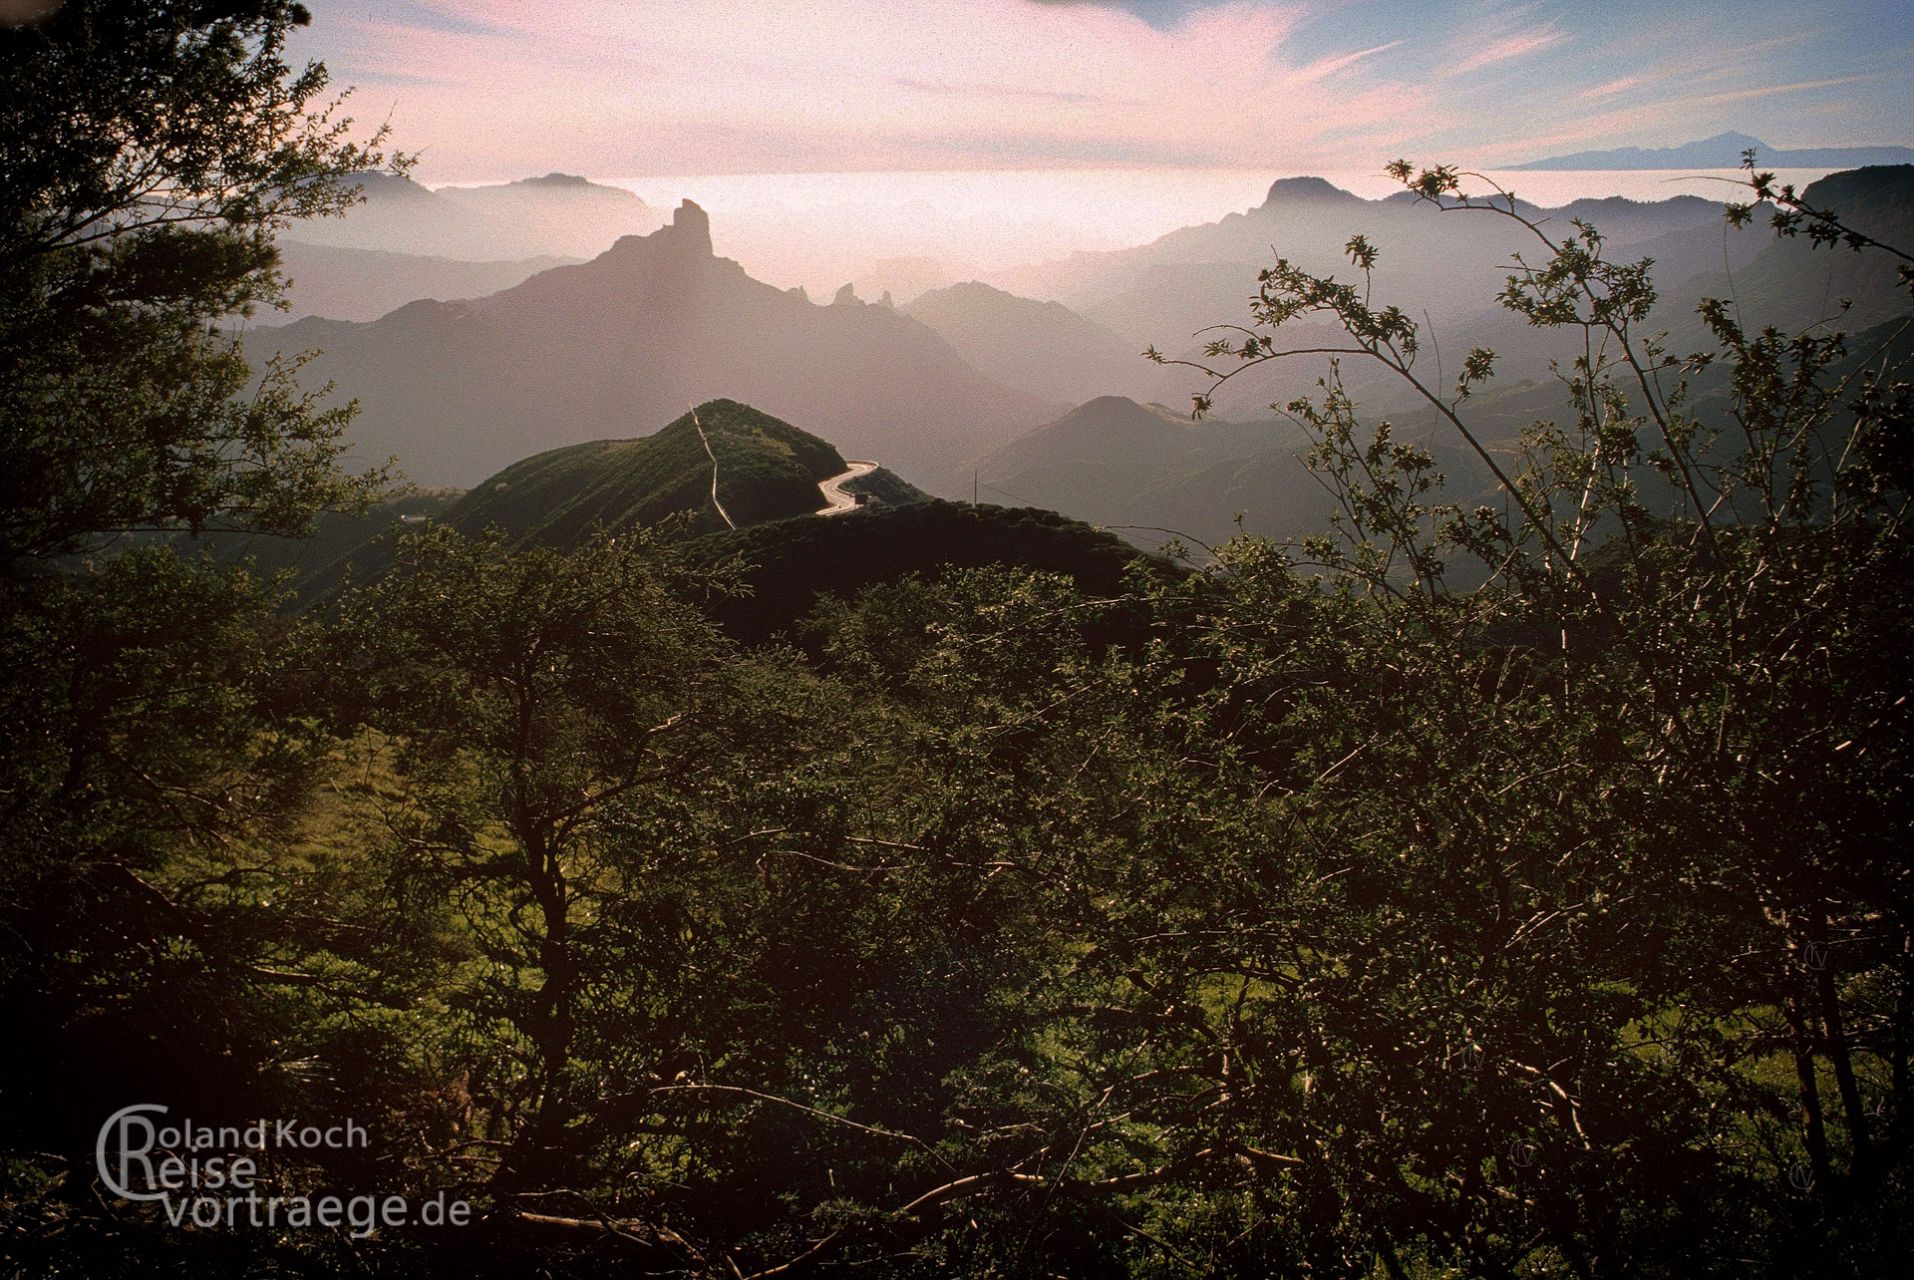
<point>495,89</point>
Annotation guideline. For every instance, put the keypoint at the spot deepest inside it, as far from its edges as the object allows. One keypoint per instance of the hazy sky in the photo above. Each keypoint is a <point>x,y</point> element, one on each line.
<point>502,88</point>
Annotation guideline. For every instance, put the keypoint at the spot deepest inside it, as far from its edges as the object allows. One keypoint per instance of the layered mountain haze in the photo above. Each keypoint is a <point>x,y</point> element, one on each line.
<point>1793,284</point>
<point>942,388</point>
<point>1723,151</point>
<point>404,242</point>
<point>559,214</point>
<point>363,284</point>
<point>1442,266</point>
<point>394,214</point>
<point>1043,348</point>
<point>905,279</point>
<point>1149,473</point>
<point>1309,220</point>
<point>1152,475</point>
<point>456,390</point>
<point>1115,434</point>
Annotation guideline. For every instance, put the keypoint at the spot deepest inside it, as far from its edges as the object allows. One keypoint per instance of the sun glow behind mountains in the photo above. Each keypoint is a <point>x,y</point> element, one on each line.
<point>913,230</point>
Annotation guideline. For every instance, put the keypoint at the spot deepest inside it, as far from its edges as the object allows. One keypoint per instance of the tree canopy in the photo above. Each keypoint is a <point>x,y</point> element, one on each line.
<point>147,155</point>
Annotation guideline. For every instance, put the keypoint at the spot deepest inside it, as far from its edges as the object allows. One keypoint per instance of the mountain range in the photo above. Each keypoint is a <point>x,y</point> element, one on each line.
<point>542,385</point>
<point>403,241</point>
<point>1043,348</point>
<point>1150,474</point>
<point>1442,266</point>
<point>1723,151</point>
<point>457,389</point>
<point>558,214</point>
<point>1793,284</point>
<point>364,284</point>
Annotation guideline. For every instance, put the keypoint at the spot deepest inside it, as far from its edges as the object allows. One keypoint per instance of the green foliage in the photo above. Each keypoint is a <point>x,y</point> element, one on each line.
<point>1646,806</point>
<point>528,693</point>
<point>149,152</point>
<point>156,753</point>
<point>786,567</point>
<point>766,469</point>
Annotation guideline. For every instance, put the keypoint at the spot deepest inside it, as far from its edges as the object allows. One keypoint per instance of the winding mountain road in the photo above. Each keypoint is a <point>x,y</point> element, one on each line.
<point>833,489</point>
<point>836,499</point>
<point>706,441</point>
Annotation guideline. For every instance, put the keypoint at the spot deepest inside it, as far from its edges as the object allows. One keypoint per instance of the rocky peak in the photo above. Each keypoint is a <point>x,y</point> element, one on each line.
<point>1306,189</point>
<point>686,239</point>
<point>692,225</point>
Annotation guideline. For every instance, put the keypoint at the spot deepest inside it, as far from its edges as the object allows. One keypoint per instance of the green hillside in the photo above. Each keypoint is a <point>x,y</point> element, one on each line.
<point>885,485</point>
<point>788,565</point>
<point>767,470</point>
<point>336,537</point>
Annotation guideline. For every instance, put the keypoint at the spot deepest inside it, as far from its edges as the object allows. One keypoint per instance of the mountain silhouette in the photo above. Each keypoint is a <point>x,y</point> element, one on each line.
<point>1723,151</point>
<point>363,284</point>
<point>1793,284</point>
<point>558,215</point>
<point>456,390</point>
<point>1442,266</point>
<point>1043,348</point>
<point>1150,470</point>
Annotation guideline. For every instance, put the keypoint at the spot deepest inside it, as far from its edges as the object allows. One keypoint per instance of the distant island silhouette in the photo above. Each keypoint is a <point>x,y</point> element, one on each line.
<point>1723,151</point>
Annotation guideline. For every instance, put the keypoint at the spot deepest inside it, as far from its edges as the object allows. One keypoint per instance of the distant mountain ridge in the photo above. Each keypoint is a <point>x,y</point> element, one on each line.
<point>1153,473</point>
<point>1043,348</point>
<point>1148,473</point>
<point>1793,284</point>
<point>457,390</point>
<point>559,215</point>
<point>1164,293</point>
<point>343,283</point>
<point>1723,151</point>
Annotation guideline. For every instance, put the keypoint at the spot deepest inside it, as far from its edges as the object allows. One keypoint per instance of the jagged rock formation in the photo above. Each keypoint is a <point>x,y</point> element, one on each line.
<point>458,389</point>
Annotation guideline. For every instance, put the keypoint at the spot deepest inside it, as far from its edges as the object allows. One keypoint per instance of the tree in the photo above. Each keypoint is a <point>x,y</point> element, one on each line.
<point>147,155</point>
<point>1642,775</point>
<point>155,751</point>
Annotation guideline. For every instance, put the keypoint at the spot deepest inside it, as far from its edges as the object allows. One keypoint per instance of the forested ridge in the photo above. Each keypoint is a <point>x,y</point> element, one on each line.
<point>1506,880</point>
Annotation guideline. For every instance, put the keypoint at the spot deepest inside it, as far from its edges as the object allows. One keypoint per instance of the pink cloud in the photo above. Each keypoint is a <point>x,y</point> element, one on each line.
<point>506,87</point>
<point>1507,48</point>
<point>1610,88</point>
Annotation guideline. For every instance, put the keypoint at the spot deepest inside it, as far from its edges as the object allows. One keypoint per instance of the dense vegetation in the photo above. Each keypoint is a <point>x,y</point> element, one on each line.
<point>783,568</point>
<point>1301,914</point>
